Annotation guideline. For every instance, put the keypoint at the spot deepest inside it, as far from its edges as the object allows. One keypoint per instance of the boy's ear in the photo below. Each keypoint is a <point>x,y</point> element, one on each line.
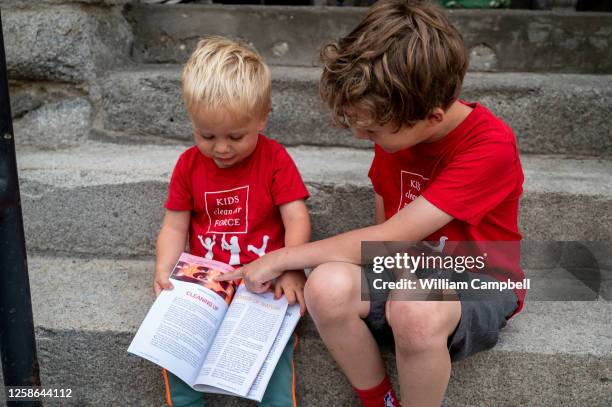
<point>264,121</point>
<point>436,116</point>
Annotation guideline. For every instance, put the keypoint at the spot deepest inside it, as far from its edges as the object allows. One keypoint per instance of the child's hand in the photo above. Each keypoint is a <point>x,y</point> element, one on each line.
<point>291,283</point>
<point>161,282</point>
<point>257,276</point>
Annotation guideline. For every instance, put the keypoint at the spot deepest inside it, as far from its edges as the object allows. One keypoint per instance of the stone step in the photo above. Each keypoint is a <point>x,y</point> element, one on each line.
<point>62,42</point>
<point>86,312</point>
<point>107,199</point>
<point>76,41</point>
<point>499,40</point>
<point>550,114</point>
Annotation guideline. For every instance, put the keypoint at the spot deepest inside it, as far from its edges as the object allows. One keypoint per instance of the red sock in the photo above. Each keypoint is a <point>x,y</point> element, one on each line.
<point>379,396</point>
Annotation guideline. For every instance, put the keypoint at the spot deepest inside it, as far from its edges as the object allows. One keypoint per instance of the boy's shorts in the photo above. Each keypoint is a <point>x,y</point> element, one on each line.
<point>279,393</point>
<point>483,312</point>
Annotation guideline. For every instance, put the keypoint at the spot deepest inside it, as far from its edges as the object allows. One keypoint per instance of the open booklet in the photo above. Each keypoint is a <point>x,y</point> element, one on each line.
<point>215,337</point>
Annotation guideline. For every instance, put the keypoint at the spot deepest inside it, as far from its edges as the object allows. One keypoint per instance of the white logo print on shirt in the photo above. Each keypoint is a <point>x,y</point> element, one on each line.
<point>439,247</point>
<point>411,186</point>
<point>208,244</point>
<point>227,210</point>
<point>234,249</point>
<point>260,251</point>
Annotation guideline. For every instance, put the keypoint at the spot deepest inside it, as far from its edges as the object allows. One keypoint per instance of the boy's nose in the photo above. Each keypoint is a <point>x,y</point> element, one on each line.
<point>222,148</point>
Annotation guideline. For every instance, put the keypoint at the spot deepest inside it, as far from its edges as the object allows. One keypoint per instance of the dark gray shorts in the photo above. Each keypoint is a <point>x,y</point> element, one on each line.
<point>483,313</point>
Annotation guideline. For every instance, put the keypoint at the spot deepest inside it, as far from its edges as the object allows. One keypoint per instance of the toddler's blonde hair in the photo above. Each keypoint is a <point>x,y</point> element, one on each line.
<point>223,74</point>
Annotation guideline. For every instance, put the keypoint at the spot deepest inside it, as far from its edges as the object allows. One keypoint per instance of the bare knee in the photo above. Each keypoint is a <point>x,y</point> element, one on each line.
<point>419,326</point>
<point>331,291</point>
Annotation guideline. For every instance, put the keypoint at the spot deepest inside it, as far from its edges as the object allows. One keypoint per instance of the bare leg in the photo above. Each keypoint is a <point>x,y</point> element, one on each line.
<point>334,301</point>
<point>421,330</point>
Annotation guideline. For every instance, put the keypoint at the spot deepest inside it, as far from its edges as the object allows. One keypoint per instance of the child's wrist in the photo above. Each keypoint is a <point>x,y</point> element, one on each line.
<point>159,270</point>
<point>277,263</point>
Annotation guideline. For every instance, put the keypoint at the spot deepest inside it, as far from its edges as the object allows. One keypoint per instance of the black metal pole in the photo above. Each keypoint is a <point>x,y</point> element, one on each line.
<point>17,342</point>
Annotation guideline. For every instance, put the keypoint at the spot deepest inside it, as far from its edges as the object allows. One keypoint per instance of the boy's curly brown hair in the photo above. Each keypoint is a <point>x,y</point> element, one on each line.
<point>400,63</point>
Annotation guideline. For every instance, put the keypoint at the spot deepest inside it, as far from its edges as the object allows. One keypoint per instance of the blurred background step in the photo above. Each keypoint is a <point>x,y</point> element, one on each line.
<point>62,42</point>
<point>498,40</point>
<point>107,199</point>
<point>550,113</point>
<point>87,310</point>
<point>76,43</point>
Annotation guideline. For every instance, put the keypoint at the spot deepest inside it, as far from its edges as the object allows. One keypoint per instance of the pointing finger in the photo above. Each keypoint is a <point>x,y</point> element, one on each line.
<point>230,275</point>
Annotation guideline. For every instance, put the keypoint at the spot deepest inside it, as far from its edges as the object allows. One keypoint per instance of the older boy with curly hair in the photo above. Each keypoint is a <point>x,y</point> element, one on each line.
<point>443,170</point>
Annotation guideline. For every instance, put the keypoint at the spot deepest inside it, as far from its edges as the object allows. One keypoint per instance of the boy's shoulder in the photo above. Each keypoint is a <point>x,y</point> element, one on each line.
<point>188,160</point>
<point>480,139</point>
<point>270,145</point>
<point>482,142</point>
<point>483,126</point>
<point>190,154</point>
<point>272,153</point>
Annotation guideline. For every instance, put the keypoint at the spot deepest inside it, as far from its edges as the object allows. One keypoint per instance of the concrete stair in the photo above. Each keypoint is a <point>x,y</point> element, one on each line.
<point>107,199</point>
<point>99,124</point>
<point>93,207</point>
<point>88,309</point>
<point>537,106</point>
<point>510,40</point>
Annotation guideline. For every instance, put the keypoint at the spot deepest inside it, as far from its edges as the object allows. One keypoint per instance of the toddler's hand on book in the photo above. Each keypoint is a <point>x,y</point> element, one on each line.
<point>291,283</point>
<point>161,282</point>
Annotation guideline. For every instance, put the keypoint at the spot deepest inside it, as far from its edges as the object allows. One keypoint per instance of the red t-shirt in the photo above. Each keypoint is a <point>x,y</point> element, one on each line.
<point>474,174</point>
<point>235,216</point>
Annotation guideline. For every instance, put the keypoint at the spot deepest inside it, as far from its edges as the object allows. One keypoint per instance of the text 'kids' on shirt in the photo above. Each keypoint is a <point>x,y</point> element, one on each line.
<point>235,216</point>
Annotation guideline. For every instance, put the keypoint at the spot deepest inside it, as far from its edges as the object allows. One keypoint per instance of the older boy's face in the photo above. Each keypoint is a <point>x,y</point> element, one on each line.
<point>391,139</point>
<point>222,137</point>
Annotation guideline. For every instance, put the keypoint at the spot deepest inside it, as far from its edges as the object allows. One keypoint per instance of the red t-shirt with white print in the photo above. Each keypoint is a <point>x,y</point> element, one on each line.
<point>474,174</point>
<point>235,216</point>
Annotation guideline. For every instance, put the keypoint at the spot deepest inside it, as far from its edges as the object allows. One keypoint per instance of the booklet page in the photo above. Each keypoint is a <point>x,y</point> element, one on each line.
<point>243,342</point>
<point>292,317</point>
<point>179,328</point>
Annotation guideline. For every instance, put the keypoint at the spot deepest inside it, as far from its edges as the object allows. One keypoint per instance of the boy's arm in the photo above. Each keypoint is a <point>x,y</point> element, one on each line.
<point>297,223</point>
<point>413,223</point>
<point>379,209</point>
<point>170,244</point>
<point>297,231</point>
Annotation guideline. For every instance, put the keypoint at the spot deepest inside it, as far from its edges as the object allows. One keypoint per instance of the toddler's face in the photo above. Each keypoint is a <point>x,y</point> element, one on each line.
<point>225,139</point>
